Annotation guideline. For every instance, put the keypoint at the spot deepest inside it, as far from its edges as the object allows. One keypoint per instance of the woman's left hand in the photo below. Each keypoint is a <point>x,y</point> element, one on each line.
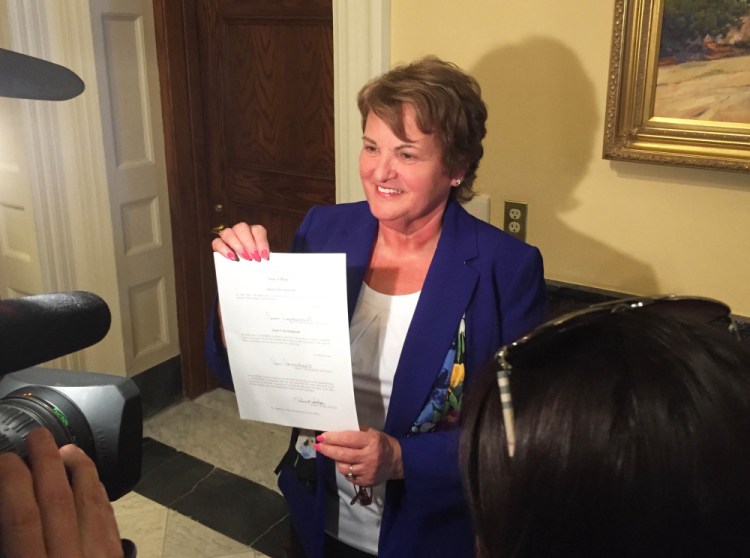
<point>374,456</point>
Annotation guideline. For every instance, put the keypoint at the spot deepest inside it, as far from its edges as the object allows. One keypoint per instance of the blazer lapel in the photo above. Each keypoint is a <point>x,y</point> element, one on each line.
<point>445,296</point>
<point>357,241</point>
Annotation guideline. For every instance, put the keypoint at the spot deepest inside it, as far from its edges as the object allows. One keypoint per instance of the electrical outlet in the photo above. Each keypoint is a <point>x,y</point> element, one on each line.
<point>514,220</point>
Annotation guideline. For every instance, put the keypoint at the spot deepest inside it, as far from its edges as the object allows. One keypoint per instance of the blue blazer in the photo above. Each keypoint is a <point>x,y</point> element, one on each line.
<point>478,271</point>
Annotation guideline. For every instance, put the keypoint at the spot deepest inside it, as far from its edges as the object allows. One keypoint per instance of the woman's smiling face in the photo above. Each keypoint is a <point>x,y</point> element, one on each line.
<point>405,181</point>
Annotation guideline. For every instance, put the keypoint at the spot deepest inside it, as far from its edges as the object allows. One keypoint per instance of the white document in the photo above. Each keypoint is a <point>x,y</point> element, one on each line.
<point>287,332</point>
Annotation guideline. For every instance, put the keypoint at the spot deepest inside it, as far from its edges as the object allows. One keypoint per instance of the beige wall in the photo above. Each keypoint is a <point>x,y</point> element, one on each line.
<point>628,227</point>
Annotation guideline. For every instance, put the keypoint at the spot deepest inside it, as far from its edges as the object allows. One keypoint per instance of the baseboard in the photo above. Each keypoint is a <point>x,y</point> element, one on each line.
<point>161,386</point>
<point>566,297</point>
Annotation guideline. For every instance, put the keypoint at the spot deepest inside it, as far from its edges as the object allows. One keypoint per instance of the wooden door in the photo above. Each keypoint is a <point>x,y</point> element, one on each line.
<point>247,90</point>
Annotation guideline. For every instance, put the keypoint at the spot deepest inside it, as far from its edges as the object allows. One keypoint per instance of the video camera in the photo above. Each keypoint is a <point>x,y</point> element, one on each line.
<point>100,413</point>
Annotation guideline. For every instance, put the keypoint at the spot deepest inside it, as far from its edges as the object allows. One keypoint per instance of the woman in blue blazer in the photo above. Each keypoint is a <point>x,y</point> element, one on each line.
<point>432,292</point>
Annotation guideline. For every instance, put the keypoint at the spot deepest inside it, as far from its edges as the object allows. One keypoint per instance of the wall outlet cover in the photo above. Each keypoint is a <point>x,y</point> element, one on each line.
<point>515,219</point>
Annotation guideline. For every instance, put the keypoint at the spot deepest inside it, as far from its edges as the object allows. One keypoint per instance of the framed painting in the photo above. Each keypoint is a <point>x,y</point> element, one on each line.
<point>679,83</point>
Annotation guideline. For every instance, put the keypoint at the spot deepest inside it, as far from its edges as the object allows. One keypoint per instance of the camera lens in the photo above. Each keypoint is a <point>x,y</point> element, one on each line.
<point>31,407</point>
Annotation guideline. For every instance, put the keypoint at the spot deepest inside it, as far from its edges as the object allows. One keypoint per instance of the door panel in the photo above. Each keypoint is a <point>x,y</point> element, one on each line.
<point>133,140</point>
<point>270,74</point>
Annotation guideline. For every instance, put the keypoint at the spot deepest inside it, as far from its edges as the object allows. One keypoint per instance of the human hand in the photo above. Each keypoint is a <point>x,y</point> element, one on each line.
<point>249,242</point>
<point>374,456</point>
<point>44,515</point>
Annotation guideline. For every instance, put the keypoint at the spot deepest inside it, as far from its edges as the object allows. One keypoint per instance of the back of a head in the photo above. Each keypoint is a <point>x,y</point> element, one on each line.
<point>632,439</point>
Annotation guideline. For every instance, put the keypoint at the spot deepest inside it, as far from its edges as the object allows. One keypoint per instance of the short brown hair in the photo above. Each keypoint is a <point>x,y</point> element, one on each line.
<point>447,102</point>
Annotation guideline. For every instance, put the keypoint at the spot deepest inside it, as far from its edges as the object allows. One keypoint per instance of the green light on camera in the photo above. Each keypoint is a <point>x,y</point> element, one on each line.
<point>61,416</point>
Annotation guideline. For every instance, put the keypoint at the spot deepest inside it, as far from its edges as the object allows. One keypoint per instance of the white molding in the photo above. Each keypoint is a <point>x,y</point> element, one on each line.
<point>68,181</point>
<point>32,34</point>
<point>29,26</point>
<point>361,51</point>
<point>88,184</point>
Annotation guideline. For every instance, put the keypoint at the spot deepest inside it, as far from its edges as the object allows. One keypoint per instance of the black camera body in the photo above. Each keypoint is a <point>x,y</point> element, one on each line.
<point>100,413</point>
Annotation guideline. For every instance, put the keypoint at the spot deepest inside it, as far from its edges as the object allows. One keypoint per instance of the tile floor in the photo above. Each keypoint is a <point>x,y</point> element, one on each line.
<point>207,487</point>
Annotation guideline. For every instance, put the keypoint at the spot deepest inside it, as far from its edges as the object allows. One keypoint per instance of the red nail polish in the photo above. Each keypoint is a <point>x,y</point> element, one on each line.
<point>320,438</point>
<point>232,256</point>
<point>264,254</point>
<point>317,447</point>
<point>245,255</point>
<point>256,255</point>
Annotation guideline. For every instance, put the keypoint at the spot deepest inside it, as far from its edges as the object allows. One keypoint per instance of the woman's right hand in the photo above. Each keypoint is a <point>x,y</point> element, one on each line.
<point>249,242</point>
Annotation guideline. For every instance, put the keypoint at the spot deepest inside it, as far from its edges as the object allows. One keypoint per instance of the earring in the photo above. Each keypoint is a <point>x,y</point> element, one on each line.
<point>458,181</point>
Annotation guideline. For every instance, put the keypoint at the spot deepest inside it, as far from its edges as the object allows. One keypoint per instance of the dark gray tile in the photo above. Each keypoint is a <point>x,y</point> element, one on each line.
<point>272,542</point>
<point>233,506</point>
<point>169,475</point>
<point>155,454</point>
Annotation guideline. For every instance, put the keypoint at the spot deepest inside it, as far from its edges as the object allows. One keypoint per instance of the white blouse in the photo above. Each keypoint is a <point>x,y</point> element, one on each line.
<point>377,333</point>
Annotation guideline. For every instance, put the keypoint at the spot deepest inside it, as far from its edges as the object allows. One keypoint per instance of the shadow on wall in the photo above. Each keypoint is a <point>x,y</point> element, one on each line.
<point>542,125</point>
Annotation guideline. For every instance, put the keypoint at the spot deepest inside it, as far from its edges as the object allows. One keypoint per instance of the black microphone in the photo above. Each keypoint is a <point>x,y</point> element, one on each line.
<point>27,77</point>
<point>38,328</point>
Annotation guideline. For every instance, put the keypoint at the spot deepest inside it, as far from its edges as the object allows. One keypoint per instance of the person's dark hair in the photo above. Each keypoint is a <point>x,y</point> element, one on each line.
<point>632,439</point>
<point>447,103</point>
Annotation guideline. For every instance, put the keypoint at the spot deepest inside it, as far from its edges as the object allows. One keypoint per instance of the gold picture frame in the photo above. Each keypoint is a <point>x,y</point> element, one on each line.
<point>632,131</point>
